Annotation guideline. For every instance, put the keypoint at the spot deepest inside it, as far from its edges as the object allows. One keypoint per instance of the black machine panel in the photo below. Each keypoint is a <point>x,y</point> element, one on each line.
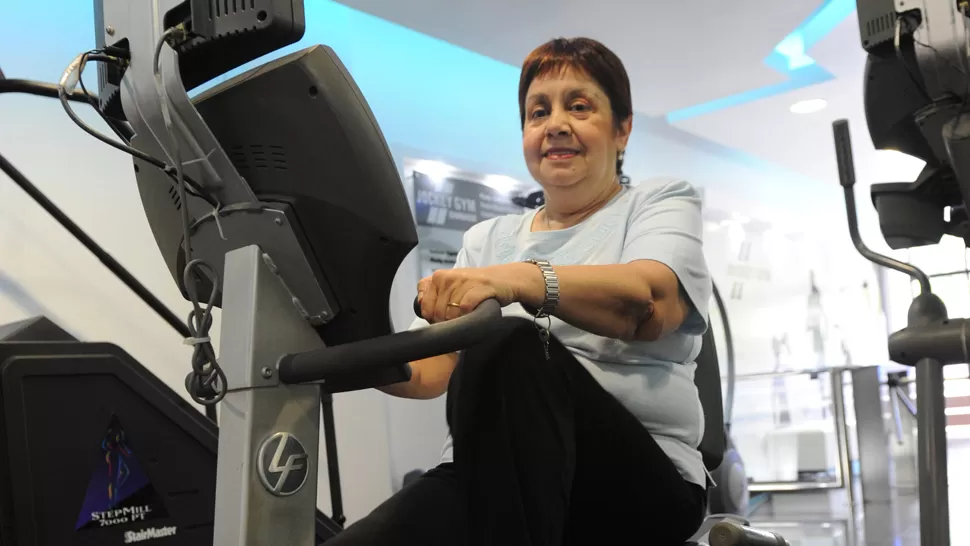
<point>34,329</point>
<point>916,104</point>
<point>98,451</point>
<point>299,131</point>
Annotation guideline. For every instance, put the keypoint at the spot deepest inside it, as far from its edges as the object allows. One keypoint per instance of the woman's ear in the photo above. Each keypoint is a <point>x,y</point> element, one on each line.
<point>623,133</point>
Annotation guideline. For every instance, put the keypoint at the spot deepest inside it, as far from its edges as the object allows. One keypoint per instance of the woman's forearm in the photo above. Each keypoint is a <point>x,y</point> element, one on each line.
<point>429,378</point>
<point>636,301</point>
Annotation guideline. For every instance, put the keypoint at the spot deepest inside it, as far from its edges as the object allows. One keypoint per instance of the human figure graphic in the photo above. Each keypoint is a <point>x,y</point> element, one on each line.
<point>817,326</point>
<point>779,393</point>
<point>816,321</point>
<point>116,452</point>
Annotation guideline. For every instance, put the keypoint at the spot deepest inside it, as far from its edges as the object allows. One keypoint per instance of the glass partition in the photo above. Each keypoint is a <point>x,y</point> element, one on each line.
<point>789,428</point>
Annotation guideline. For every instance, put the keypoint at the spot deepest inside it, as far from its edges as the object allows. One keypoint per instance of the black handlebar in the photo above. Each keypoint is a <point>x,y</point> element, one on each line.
<point>843,153</point>
<point>384,360</point>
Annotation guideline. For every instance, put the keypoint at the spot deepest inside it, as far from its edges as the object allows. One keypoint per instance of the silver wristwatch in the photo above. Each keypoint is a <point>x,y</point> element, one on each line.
<point>551,299</point>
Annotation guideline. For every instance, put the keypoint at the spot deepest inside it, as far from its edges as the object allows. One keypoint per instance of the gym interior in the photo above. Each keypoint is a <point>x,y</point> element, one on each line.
<point>822,136</point>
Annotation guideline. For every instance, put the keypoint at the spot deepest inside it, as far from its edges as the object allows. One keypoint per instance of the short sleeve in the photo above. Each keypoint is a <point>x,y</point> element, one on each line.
<point>666,226</point>
<point>460,261</point>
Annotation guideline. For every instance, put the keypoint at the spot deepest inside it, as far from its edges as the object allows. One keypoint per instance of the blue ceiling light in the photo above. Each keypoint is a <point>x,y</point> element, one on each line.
<point>790,57</point>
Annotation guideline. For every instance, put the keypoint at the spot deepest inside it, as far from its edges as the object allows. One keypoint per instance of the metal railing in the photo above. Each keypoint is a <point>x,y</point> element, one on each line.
<point>843,473</point>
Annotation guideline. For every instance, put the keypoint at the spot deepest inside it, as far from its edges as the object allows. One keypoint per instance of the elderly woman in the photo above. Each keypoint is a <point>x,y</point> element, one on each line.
<point>581,424</point>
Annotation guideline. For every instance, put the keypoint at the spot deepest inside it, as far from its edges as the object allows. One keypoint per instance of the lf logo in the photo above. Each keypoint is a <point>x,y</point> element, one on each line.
<point>282,464</point>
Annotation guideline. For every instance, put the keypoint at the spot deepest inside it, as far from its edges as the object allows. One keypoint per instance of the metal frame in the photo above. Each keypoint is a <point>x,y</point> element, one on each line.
<point>842,435</point>
<point>875,465</point>
<point>259,325</point>
<point>934,503</point>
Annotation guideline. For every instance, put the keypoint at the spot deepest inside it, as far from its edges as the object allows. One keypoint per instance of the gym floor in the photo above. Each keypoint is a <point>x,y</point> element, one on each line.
<point>822,519</point>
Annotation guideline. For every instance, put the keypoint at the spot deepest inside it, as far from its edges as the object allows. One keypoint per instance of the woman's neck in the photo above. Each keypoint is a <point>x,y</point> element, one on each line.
<point>569,206</point>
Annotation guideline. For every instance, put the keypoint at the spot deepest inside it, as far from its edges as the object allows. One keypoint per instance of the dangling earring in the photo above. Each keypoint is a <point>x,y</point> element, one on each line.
<point>623,179</point>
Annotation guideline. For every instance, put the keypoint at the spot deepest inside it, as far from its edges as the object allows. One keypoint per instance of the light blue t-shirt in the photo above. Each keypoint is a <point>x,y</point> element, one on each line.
<point>659,220</point>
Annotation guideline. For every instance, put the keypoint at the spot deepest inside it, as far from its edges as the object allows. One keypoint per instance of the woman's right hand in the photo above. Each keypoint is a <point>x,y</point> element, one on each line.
<point>452,293</point>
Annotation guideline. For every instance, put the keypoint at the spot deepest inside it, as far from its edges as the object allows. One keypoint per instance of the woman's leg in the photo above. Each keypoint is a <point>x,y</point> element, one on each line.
<point>625,488</point>
<point>426,513</point>
<point>546,456</point>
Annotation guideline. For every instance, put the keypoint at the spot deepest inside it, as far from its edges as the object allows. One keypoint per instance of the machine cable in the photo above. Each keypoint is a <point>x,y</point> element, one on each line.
<point>195,329</point>
<point>206,383</point>
<point>72,77</point>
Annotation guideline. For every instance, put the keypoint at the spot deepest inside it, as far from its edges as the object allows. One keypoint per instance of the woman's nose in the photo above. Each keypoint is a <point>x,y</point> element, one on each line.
<point>558,125</point>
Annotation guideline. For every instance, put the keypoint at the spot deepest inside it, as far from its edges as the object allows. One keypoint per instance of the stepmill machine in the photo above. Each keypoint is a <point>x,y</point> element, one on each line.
<point>917,100</point>
<point>272,195</point>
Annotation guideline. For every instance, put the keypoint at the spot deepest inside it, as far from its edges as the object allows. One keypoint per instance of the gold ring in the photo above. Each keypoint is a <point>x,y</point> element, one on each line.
<point>454,304</point>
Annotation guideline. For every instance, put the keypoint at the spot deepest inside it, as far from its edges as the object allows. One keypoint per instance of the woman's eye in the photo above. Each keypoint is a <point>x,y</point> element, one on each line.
<point>579,107</point>
<point>538,113</point>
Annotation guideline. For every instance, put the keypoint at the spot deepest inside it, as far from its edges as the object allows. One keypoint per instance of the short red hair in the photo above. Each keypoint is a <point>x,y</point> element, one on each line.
<point>585,54</point>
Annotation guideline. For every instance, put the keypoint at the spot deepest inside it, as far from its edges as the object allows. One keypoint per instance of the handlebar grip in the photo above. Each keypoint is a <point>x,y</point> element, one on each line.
<point>843,152</point>
<point>370,356</point>
<point>727,533</point>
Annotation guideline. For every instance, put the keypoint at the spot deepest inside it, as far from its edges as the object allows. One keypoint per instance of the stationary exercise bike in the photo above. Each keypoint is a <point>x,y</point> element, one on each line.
<point>274,197</point>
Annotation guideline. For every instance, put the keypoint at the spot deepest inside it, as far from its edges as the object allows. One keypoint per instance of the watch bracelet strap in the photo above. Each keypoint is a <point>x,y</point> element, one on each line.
<point>551,299</point>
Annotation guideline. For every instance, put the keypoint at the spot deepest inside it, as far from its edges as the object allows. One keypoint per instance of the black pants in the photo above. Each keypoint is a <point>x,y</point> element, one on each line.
<point>544,456</point>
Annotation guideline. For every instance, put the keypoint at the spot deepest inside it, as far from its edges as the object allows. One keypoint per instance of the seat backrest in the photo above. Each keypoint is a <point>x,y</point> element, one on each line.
<point>707,378</point>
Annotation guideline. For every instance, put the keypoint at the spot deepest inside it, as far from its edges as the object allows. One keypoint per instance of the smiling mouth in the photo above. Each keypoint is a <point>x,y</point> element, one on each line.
<point>559,154</point>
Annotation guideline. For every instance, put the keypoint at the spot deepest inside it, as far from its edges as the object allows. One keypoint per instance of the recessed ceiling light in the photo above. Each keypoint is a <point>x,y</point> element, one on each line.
<point>809,106</point>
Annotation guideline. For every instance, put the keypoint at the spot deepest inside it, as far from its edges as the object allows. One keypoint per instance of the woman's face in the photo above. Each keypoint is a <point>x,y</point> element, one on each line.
<point>569,135</point>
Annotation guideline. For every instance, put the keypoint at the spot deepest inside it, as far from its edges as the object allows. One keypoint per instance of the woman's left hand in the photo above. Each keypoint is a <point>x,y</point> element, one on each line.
<point>451,293</point>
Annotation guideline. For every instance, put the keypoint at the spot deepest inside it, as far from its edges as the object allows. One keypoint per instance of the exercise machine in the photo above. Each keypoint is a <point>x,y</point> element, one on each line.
<point>54,441</point>
<point>95,450</point>
<point>273,196</point>
<point>916,102</point>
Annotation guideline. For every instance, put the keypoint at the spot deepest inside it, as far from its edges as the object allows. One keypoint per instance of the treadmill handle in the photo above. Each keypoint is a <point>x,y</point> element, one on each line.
<point>375,356</point>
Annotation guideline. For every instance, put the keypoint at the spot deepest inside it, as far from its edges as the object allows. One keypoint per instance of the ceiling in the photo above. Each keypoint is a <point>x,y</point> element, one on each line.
<point>767,129</point>
<point>684,53</point>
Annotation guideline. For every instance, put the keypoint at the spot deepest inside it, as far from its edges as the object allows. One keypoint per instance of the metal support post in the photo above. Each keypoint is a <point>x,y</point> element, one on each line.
<point>268,440</point>
<point>934,509</point>
<point>842,436</point>
<point>875,466</point>
<point>333,467</point>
